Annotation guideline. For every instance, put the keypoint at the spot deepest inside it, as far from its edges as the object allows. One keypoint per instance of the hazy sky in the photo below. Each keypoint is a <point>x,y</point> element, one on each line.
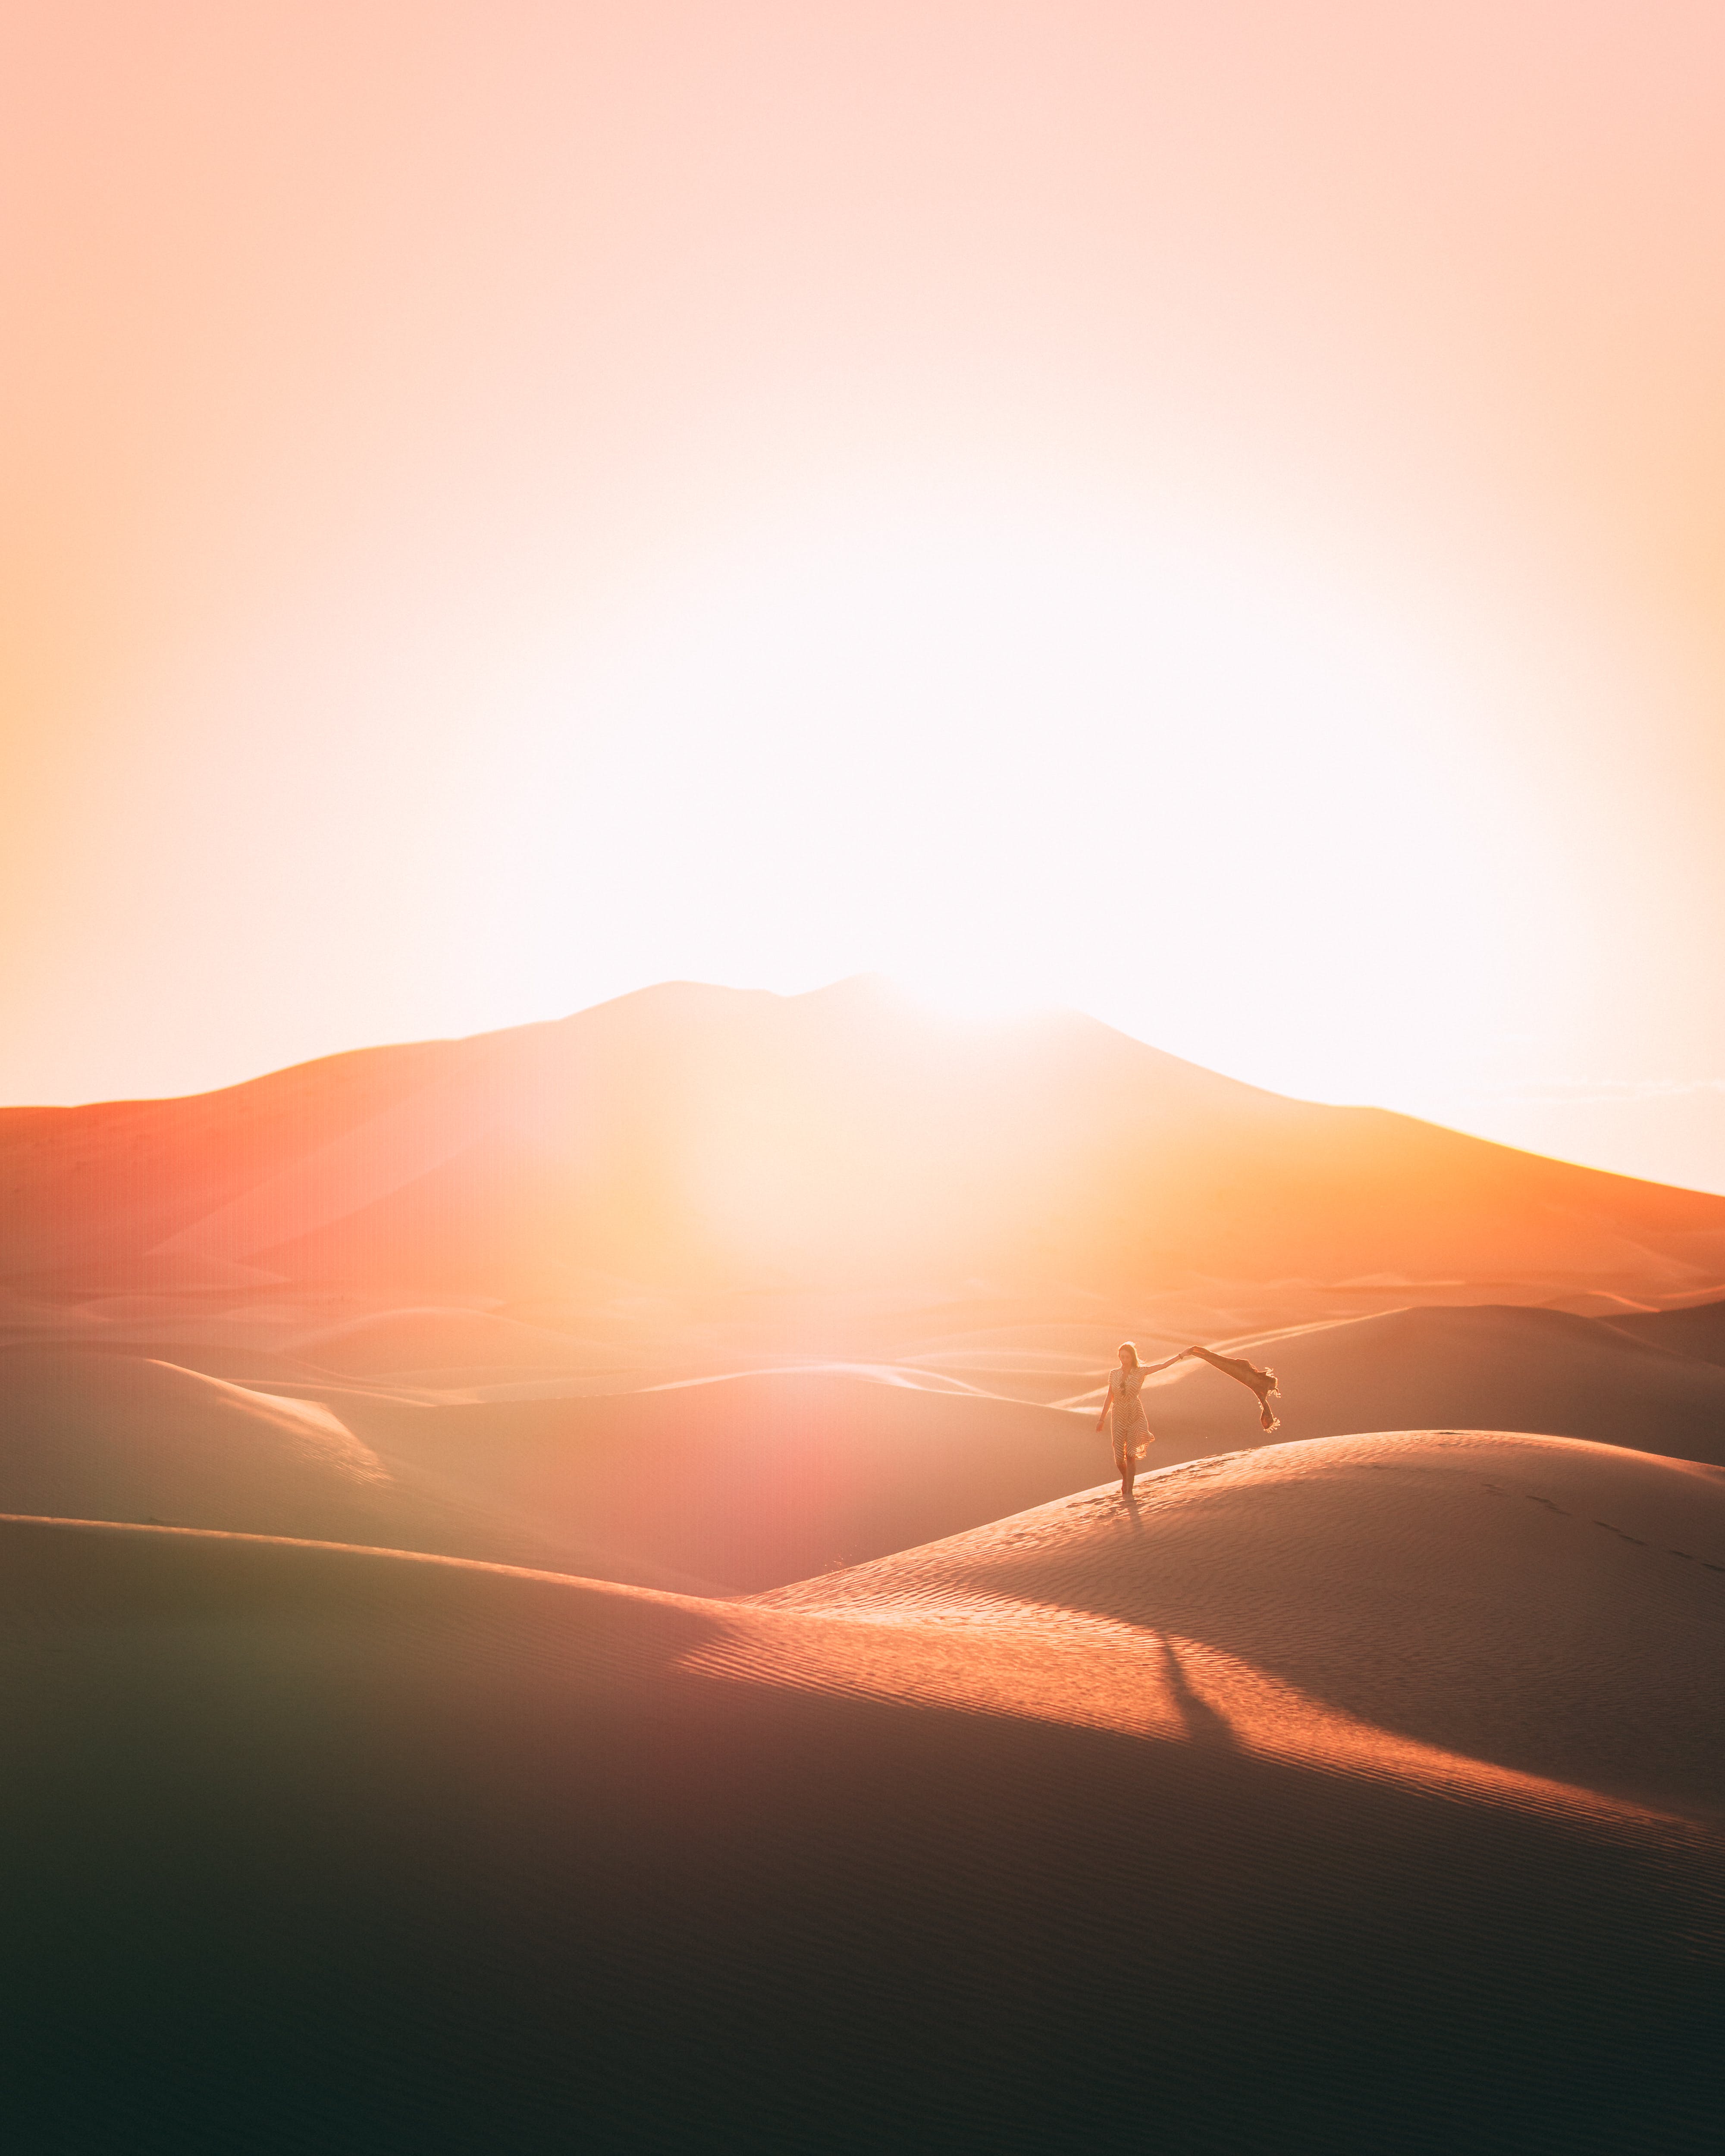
<point>1212,513</point>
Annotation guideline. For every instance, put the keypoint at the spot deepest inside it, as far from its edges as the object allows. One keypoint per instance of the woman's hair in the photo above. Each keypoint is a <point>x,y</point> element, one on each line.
<point>1125,1348</point>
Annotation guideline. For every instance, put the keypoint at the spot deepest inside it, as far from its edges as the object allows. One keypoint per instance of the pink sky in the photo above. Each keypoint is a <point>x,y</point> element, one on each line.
<point>507,503</point>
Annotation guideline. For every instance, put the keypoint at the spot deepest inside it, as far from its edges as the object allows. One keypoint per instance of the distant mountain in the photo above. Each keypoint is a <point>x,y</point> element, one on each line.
<point>688,1138</point>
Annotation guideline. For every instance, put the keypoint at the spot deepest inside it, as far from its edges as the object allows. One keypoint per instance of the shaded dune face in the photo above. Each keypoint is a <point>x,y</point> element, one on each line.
<point>131,1438</point>
<point>1697,1332</point>
<point>722,1487</point>
<point>1359,1796</point>
<point>140,1441</point>
<point>749,1481</point>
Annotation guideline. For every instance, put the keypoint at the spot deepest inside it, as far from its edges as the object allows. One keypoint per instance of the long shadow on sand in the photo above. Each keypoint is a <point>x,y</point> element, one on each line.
<point>1203,1723</point>
<point>424,1864</point>
<point>1446,1607</point>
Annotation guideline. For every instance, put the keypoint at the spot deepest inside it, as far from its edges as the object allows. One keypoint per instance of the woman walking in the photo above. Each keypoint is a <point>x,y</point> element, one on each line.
<point>1125,1411</point>
<point>1132,1434</point>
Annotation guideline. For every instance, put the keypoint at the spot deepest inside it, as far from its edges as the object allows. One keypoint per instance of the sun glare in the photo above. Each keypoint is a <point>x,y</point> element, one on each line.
<point>976,997</point>
<point>1163,770</point>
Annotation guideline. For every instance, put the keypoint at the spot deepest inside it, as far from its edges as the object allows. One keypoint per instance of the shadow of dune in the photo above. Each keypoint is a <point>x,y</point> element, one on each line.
<point>1454,1604</point>
<point>327,1849</point>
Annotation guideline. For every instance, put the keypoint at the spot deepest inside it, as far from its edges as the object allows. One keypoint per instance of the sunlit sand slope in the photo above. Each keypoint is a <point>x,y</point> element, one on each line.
<point>1349,1796</point>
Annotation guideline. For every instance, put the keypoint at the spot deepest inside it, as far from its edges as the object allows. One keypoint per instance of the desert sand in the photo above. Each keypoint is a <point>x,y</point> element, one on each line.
<point>710,1290</point>
<point>734,1482</point>
<point>1362,1794</point>
<point>1473,1367</point>
<point>554,1594</point>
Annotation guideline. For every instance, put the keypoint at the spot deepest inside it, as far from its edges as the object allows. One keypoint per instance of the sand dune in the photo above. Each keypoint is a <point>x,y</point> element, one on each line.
<point>721,1487</point>
<point>129,1438</point>
<point>1354,1796</point>
<point>1484,1368</point>
<point>114,1437</point>
<point>430,1344</point>
<point>1699,1331</point>
<point>1376,1573</point>
<point>742,1482</point>
<point>748,1482</point>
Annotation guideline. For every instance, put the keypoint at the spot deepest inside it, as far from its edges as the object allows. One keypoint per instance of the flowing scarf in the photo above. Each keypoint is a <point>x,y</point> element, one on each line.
<point>1260,1382</point>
